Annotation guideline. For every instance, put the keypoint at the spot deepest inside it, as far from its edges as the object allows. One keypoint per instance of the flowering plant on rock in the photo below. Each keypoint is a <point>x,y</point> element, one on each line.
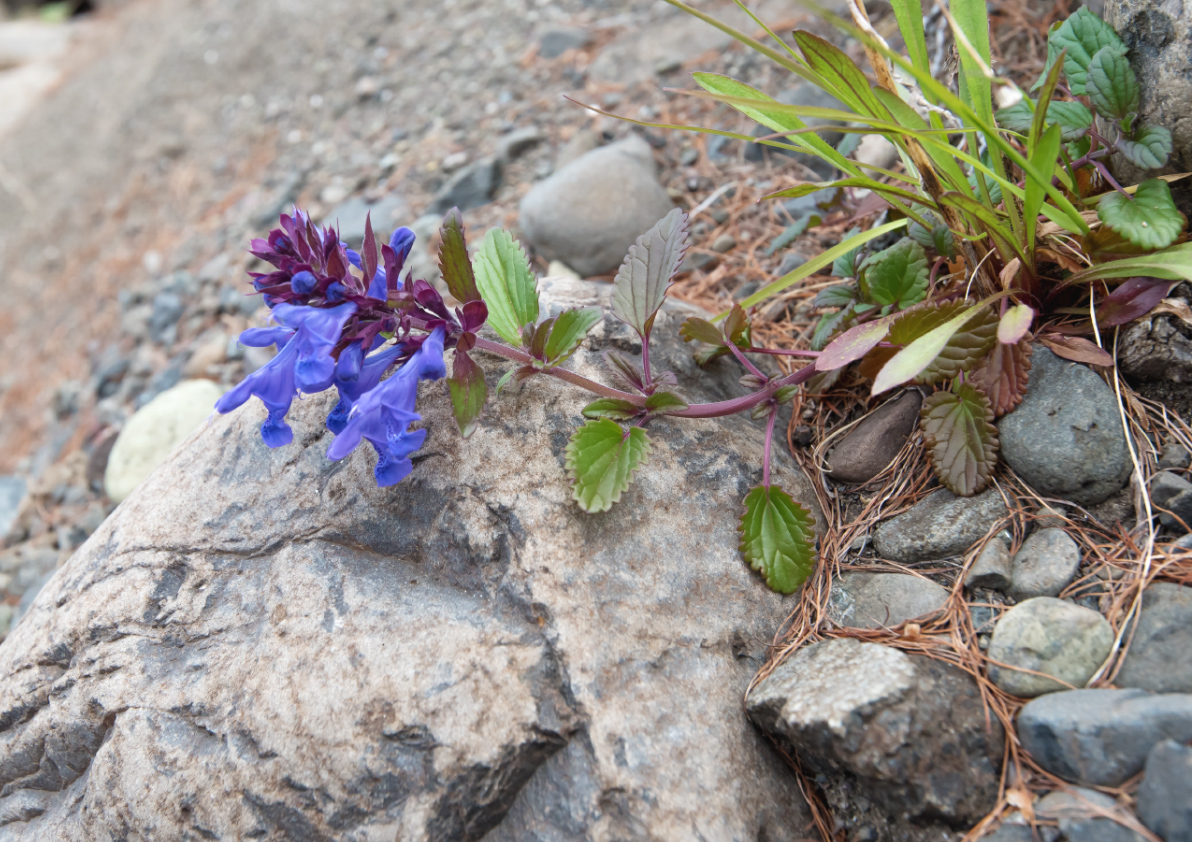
<point>349,320</point>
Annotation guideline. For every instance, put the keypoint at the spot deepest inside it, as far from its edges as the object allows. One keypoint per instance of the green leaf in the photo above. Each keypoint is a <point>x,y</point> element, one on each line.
<point>1148,147</point>
<point>818,262</point>
<point>791,232</point>
<point>897,275</point>
<point>777,538</point>
<point>568,331</point>
<point>1082,35</point>
<point>977,88</point>
<point>614,409</point>
<point>775,120</point>
<point>468,392</point>
<point>651,263</point>
<point>504,381</point>
<point>602,459</point>
<point>881,188</point>
<point>786,393</point>
<point>1111,84</point>
<point>840,76</point>
<point>665,402</point>
<point>695,329</point>
<point>1172,264</point>
<point>1016,118</point>
<point>454,262</point>
<point>962,441</point>
<point>1072,118</point>
<point>845,266</point>
<point>963,350</point>
<point>840,295</point>
<point>995,189</point>
<point>912,360</point>
<point>828,324</point>
<point>1044,155</point>
<point>506,284</point>
<point>909,14</point>
<point>1149,219</point>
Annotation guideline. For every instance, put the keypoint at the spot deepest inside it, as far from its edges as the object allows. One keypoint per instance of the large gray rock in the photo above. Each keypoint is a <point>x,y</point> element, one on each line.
<point>1044,565</point>
<point>883,600</point>
<point>939,526</point>
<point>1165,797</point>
<point>262,644</point>
<point>1160,654</point>
<point>590,212</point>
<point>899,741</point>
<point>1101,737</point>
<point>1155,32</point>
<point>1065,438</point>
<point>869,447</point>
<point>1066,643</point>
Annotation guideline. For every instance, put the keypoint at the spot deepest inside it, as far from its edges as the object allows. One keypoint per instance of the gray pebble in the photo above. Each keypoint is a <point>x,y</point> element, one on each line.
<point>1165,797</point>
<point>1049,636</point>
<point>1045,564</point>
<point>991,568</point>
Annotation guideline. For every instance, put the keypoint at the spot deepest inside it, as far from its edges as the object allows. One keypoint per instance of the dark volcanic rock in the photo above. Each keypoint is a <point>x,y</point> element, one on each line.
<point>938,526</point>
<point>1160,654</point>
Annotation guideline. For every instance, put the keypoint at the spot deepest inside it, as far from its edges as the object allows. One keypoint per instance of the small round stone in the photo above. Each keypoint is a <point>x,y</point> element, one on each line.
<point>1048,636</point>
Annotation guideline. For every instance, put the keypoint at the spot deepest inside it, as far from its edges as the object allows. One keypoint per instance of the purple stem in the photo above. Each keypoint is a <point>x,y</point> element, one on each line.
<point>766,452</point>
<point>781,352</point>
<point>741,358</point>
<point>646,362</point>
<point>1112,181</point>
<point>699,410</point>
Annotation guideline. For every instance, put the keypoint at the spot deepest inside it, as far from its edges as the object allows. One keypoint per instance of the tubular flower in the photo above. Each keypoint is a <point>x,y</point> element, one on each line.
<point>384,413</point>
<point>305,339</point>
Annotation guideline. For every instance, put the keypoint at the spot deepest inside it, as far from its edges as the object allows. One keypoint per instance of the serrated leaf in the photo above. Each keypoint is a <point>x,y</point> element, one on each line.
<point>468,392</point>
<point>534,338</point>
<point>845,266</point>
<point>569,330</point>
<point>454,262</point>
<point>651,263</point>
<point>1072,118</point>
<point>602,459</point>
<point>853,344</point>
<point>665,402</point>
<point>962,441</point>
<point>1133,299</point>
<point>506,284</point>
<point>1111,84</point>
<point>1016,118</point>
<point>939,351</point>
<point>613,409</point>
<point>897,275</point>
<point>695,329</point>
<point>1082,35</point>
<point>1014,324</point>
<point>791,232</point>
<point>840,295</point>
<point>1149,219</point>
<point>628,373</point>
<point>1148,147</point>
<point>1004,375</point>
<point>777,538</point>
<point>827,325</point>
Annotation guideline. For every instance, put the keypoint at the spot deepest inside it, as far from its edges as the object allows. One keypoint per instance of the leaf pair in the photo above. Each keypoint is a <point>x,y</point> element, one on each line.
<point>712,340</point>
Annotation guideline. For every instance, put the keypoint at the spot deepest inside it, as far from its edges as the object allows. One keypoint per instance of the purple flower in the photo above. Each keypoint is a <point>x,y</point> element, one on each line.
<point>305,340</point>
<point>383,414</point>
<point>402,243</point>
<point>355,377</point>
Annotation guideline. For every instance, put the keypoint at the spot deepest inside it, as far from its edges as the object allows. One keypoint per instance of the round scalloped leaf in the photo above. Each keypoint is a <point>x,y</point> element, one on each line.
<point>1111,84</point>
<point>1148,147</point>
<point>602,459</point>
<point>1082,35</point>
<point>777,538</point>
<point>958,429</point>
<point>1148,219</point>
<point>897,275</point>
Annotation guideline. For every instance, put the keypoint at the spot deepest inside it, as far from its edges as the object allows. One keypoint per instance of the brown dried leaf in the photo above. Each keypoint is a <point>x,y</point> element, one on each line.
<point>962,441</point>
<point>1005,375</point>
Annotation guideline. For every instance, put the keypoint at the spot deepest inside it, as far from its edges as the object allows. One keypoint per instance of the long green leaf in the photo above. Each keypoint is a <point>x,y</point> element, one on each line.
<point>1044,155</point>
<point>1173,264</point>
<point>973,19</point>
<point>907,363</point>
<point>810,187</point>
<point>816,263</point>
<point>909,14</point>
<point>944,161</point>
<point>845,81</point>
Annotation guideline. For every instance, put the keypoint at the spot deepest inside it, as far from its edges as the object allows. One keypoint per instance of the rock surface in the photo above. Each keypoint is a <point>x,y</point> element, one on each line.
<point>887,732</point>
<point>1048,636</point>
<point>1080,814</point>
<point>1045,564</point>
<point>1156,348</point>
<point>883,600</point>
<point>12,492</point>
<point>463,654</point>
<point>939,526</point>
<point>1101,737</point>
<point>870,446</point>
<point>1159,655</point>
<point>590,212</point>
<point>991,568</point>
<point>154,431</point>
<point>1172,492</point>
<point>1165,797</point>
<point>1065,439</point>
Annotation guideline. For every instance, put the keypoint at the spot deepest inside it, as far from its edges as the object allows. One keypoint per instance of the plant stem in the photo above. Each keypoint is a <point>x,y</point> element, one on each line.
<point>561,373</point>
<point>1109,178</point>
<point>646,363</point>
<point>766,452</point>
<point>742,359</point>
<point>781,352</point>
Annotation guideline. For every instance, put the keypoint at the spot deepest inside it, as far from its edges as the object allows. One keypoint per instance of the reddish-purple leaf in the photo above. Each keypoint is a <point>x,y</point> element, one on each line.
<point>1077,349</point>
<point>853,344</point>
<point>1133,299</point>
<point>454,262</point>
<point>1005,375</point>
<point>468,392</point>
<point>368,251</point>
<point>1014,324</point>
<point>962,441</point>
<point>473,315</point>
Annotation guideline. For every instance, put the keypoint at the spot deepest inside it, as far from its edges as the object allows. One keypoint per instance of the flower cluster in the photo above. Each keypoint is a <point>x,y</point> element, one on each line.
<point>333,327</point>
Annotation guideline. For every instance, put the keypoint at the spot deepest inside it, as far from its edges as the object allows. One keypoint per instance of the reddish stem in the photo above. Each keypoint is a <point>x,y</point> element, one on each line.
<point>766,452</point>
